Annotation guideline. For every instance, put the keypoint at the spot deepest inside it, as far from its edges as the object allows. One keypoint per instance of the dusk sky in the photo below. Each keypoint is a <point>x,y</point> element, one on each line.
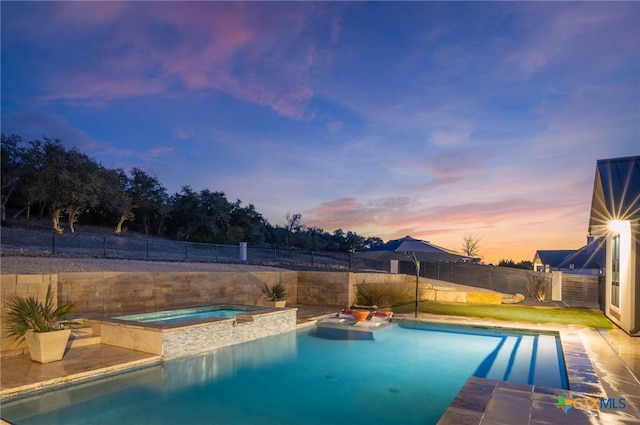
<point>429,119</point>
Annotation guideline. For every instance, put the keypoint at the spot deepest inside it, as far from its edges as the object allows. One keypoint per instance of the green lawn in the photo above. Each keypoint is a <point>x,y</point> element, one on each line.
<point>516,313</point>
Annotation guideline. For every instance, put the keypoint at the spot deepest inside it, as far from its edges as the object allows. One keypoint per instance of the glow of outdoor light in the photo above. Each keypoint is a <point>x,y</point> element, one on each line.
<point>616,226</point>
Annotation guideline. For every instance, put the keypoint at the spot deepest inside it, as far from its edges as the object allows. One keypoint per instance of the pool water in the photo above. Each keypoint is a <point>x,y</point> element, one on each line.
<point>184,315</point>
<point>407,374</point>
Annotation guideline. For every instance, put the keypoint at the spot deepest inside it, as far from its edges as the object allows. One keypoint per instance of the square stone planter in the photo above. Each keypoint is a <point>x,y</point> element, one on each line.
<point>275,304</point>
<point>47,347</point>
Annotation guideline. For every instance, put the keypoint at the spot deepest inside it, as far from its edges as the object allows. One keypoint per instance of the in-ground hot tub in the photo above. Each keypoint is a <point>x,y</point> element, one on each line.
<point>184,315</point>
<point>187,331</point>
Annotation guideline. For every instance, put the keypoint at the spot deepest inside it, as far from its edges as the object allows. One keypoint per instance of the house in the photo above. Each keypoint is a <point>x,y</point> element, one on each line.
<point>588,260</point>
<point>549,260</point>
<point>615,217</point>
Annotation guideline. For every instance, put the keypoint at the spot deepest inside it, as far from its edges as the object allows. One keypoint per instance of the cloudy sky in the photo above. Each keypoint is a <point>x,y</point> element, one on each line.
<point>429,119</point>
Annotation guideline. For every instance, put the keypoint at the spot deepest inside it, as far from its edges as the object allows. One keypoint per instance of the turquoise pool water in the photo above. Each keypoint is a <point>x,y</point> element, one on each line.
<point>184,315</point>
<point>406,374</point>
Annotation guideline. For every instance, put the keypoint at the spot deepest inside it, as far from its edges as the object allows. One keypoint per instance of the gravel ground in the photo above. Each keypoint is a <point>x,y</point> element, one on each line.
<point>26,265</point>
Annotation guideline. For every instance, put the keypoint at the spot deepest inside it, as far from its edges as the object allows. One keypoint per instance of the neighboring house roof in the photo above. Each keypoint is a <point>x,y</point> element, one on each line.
<point>553,257</point>
<point>616,192</point>
<point>590,256</point>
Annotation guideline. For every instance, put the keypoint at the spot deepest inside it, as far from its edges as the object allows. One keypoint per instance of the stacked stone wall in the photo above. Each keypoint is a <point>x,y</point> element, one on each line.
<point>116,292</point>
<point>210,336</point>
<point>24,285</point>
<point>327,289</point>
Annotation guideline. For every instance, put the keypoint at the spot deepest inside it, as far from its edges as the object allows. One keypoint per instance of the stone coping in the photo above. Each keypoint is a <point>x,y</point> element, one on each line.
<point>246,316</point>
<point>23,377</point>
<point>594,371</point>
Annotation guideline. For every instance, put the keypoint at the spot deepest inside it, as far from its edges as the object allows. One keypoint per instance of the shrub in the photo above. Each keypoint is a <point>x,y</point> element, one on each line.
<point>275,292</point>
<point>31,314</point>
<point>537,285</point>
<point>381,294</point>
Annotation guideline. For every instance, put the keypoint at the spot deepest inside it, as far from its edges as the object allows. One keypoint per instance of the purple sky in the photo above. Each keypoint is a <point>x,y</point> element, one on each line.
<point>429,119</point>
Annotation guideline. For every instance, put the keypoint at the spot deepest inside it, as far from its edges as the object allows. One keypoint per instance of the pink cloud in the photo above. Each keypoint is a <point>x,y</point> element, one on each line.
<point>154,153</point>
<point>255,52</point>
<point>94,90</point>
<point>525,224</point>
<point>87,14</point>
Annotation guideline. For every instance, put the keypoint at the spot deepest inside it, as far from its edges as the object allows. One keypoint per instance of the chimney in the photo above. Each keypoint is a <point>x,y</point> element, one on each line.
<point>590,245</point>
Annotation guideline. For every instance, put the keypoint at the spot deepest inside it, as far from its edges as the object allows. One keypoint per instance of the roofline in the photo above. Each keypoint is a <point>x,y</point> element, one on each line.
<point>622,158</point>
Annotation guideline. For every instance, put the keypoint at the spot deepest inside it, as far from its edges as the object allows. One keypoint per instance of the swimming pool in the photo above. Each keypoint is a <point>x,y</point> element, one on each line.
<point>407,374</point>
<point>185,315</point>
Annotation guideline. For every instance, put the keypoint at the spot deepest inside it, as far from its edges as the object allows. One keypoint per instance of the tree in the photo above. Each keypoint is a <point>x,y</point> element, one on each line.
<point>118,199</point>
<point>524,264</point>
<point>246,224</point>
<point>84,180</point>
<point>44,174</point>
<point>200,217</point>
<point>471,245</point>
<point>149,198</point>
<point>33,189</point>
<point>372,241</point>
<point>184,213</point>
<point>293,225</point>
<point>215,215</point>
<point>13,169</point>
<point>55,179</point>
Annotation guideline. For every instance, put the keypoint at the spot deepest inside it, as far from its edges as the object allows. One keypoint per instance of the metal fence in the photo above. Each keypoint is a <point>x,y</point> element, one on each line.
<point>135,247</point>
<point>579,290</point>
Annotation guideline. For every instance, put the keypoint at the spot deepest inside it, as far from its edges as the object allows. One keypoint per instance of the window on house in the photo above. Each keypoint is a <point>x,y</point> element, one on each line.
<point>615,271</point>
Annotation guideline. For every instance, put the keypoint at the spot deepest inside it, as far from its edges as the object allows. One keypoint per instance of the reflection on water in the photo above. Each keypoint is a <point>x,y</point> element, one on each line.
<point>340,333</point>
<point>39,403</point>
<point>166,378</point>
<point>193,371</point>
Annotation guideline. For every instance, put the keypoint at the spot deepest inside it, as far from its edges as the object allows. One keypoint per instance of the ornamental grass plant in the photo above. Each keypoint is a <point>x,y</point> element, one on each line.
<point>31,314</point>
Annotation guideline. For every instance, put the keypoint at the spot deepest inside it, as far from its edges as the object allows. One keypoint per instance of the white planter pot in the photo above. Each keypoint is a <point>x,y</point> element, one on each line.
<point>275,304</point>
<point>46,347</point>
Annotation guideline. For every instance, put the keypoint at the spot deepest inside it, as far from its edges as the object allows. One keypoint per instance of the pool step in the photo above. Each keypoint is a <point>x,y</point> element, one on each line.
<point>525,359</point>
<point>81,337</point>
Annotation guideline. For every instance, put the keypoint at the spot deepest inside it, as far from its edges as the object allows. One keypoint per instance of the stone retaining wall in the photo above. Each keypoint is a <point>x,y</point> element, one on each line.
<point>114,292</point>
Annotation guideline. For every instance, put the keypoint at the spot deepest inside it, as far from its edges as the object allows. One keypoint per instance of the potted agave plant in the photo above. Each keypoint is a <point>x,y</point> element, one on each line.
<point>43,326</point>
<point>275,294</point>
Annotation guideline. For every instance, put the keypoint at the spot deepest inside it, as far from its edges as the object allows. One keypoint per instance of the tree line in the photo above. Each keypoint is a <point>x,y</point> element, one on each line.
<point>43,178</point>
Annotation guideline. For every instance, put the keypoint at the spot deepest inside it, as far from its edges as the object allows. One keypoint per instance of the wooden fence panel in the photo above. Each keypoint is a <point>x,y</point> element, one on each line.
<point>582,288</point>
<point>576,289</point>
